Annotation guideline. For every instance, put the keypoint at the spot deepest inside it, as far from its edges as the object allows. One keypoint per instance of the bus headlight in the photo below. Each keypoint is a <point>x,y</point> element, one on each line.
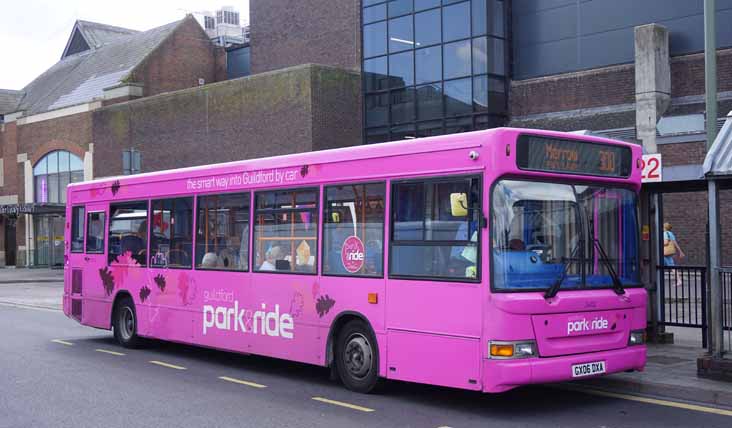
<point>507,350</point>
<point>637,337</point>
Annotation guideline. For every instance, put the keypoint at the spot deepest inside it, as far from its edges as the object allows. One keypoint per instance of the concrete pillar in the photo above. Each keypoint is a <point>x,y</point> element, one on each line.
<point>652,82</point>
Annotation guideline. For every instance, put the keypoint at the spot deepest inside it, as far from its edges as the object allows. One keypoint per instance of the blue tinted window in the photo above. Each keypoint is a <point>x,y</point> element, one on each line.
<point>402,132</point>
<point>497,56</point>
<point>402,105</point>
<point>374,13</point>
<point>458,97</point>
<point>371,2</point>
<point>429,101</point>
<point>480,14</point>
<point>399,7</point>
<point>375,74</point>
<point>377,135</point>
<point>429,129</point>
<point>374,39</point>
<point>401,34</point>
<point>457,59</point>
<point>377,109</point>
<point>456,21</point>
<point>427,28</point>
<point>401,69</point>
<point>428,63</point>
<point>496,18</point>
<point>480,93</point>
<point>425,4</point>
<point>459,124</point>
<point>480,55</point>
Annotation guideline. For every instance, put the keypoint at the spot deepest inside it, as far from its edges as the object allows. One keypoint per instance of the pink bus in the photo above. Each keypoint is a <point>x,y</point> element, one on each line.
<point>483,261</point>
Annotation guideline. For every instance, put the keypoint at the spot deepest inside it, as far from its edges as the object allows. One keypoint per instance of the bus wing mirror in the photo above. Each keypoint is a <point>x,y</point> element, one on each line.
<point>459,204</point>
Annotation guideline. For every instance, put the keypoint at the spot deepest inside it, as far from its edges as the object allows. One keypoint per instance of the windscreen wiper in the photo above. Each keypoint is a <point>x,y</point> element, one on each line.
<point>554,289</point>
<point>617,285</point>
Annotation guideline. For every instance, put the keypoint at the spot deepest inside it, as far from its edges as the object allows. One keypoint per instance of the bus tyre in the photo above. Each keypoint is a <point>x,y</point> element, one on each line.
<point>357,359</point>
<point>125,323</point>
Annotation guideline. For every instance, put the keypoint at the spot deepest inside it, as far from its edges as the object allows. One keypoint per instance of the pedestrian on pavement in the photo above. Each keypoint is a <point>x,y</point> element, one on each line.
<point>671,250</point>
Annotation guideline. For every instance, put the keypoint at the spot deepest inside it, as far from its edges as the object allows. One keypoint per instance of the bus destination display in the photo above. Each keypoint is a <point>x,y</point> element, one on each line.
<point>572,157</point>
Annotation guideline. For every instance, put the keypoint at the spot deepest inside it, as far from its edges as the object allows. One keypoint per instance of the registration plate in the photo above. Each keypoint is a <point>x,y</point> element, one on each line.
<point>588,369</point>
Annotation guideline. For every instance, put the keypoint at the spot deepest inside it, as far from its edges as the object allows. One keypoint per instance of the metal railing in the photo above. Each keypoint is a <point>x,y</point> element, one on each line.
<point>725,281</point>
<point>683,292</point>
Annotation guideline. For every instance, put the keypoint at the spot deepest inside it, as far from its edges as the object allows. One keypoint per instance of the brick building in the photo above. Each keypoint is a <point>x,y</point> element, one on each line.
<point>330,73</point>
<point>121,101</point>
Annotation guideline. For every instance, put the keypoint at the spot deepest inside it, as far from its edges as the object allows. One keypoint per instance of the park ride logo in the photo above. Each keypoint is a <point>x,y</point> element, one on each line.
<point>583,325</point>
<point>264,322</point>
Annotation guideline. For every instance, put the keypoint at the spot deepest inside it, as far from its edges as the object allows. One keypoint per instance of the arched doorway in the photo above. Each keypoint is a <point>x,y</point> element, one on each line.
<point>51,174</point>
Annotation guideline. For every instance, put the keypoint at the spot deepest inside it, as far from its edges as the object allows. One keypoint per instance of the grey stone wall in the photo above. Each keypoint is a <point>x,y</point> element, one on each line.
<point>286,33</point>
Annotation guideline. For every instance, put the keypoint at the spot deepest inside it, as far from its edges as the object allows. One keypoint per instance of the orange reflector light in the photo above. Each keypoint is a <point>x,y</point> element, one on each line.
<point>373,298</point>
<point>501,350</point>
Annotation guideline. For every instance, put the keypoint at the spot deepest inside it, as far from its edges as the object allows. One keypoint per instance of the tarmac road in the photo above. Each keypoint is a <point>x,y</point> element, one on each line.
<point>56,373</point>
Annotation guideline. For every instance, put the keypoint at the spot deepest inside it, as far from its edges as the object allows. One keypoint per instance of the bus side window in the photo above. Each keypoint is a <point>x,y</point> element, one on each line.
<point>286,231</point>
<point>128,234</point>
<point>77,229</point>
<point>171,234</point>
<point>353,230</point>
<point>436,228</point>
<point>95,233</point>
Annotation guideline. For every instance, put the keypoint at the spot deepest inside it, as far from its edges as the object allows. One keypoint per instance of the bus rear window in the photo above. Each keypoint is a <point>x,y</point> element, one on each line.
<point>435,233</point>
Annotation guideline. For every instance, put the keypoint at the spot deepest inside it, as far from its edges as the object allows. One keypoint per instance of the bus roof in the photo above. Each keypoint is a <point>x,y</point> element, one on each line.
<point>370,151</point>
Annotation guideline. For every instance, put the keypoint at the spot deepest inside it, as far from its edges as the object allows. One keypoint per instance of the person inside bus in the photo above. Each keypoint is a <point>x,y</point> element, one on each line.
<point>136,244</point>
<point>270,258</point>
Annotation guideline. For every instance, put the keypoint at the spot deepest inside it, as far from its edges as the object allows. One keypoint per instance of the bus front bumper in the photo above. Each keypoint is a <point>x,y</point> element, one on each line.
<point>502,375</point>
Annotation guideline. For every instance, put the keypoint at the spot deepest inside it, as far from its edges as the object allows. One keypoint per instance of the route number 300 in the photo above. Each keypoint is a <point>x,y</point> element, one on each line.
<point>652,168</point>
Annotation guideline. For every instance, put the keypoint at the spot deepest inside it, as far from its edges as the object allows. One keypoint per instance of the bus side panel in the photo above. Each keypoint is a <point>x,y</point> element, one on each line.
<point>433,359</point>
<point>284,320</point>
<point>429,321</point>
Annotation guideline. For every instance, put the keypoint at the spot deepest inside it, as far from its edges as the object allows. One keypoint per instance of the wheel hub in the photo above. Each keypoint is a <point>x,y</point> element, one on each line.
<point>358,356</point>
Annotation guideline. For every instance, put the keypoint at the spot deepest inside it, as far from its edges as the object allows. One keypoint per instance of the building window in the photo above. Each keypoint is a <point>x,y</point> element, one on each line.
<point>171,237</point>
<point>209,22</point>
<point>286,231</point>
<point>131,162</point>
<point>444,59</point>
<point>436,229</point>
<point>77,230</point>
<point>53,173</point>
<point>353,230</point>
<point>222,237</point>
<point>128,234</point>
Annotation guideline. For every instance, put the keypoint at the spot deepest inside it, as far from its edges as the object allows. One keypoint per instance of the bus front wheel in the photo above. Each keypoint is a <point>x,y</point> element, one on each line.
<point>125,323</point>
<point>357,357</point>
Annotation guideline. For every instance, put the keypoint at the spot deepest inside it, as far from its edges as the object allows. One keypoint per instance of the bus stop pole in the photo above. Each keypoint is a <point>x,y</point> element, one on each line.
<point>710,81</point>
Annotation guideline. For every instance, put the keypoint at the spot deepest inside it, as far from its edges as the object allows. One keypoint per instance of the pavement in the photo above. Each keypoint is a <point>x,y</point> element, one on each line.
<point>670,372</point>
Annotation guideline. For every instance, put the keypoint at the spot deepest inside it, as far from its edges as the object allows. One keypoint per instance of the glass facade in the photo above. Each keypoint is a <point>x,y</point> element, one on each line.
<point>433,67</point>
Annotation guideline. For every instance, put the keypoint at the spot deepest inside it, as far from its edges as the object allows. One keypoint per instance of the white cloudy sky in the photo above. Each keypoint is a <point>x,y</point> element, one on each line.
<point>33,33</point>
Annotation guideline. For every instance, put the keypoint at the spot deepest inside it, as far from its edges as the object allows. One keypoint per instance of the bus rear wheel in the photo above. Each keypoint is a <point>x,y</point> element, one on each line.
<point>357,359</point>
<point>125,323</point>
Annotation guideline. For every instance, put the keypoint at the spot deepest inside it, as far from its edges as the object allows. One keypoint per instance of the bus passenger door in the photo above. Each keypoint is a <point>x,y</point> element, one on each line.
<point>434,314</point>
<point>97,282</point>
